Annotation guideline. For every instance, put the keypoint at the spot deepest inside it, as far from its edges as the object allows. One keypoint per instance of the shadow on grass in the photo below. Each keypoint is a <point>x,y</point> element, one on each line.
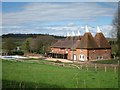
<point>19,85</point>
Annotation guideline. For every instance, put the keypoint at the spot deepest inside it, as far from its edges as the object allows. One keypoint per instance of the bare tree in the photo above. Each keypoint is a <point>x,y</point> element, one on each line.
<point>116,23</point>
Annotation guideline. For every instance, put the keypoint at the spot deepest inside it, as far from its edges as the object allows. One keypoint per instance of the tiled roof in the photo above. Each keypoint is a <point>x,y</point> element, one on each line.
<point>87,42</point>
<point>58,44</point>
<point>69,42</point>
<point>101,41</point>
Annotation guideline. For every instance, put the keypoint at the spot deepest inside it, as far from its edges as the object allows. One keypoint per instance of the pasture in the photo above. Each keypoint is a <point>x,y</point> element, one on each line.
<point>17,74</point>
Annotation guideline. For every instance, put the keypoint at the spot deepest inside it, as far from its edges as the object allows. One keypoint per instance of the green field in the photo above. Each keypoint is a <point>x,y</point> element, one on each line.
<point>38,75</point>
<point>106,61</point>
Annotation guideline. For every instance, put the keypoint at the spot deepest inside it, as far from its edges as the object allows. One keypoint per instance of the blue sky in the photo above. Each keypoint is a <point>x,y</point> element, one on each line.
<point>57,18</point>
<point>60,0</point>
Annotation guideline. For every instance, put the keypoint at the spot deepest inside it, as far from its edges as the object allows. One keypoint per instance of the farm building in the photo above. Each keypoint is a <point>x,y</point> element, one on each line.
<point>82,48</point>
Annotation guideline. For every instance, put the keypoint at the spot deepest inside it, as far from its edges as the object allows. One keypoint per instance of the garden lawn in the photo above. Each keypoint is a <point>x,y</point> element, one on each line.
<point>35,75</point>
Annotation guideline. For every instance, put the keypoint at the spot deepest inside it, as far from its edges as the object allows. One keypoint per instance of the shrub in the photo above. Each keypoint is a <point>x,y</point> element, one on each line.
<point>16,53</point>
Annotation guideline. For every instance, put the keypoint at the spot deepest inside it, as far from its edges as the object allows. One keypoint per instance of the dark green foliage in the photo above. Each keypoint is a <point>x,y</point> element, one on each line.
<point>118,29</point>
<point>9,44</point>
<point>39,44</point>
<point>35,45</point>
<point>19,38</point>
<point>26,45</point>
<point>16,52</point>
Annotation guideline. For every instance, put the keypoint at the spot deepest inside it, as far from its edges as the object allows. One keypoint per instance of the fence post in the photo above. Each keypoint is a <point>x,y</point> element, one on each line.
<point>105,68</point>
<point>115,69</point>
<point>36,87</point>
<point>63,64</point>
<point>118,62</point>
<point>84,84</point>
<point>81,67</point>
<point>77,83</point>
<point>86,66</point>
<point>95,67</point>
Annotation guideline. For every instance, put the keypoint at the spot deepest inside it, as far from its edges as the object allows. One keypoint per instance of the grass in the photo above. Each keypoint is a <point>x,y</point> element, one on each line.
<point>35,75</point>
<point>106,62</point>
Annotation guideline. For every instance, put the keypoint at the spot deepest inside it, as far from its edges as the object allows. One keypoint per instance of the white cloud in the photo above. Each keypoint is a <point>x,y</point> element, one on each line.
<point>105,29</point>
<point>44,12</point>
<point>59,30</point>
<point>16,22</point>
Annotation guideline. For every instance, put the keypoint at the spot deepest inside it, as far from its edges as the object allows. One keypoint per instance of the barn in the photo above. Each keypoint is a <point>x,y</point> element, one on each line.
<point>82,48</point>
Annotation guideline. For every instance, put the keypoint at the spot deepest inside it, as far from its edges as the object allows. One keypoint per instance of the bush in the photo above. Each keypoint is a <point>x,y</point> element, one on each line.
<point>16,53</point>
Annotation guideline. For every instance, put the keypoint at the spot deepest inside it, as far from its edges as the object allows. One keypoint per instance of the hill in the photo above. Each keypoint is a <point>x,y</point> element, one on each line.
<point>19,38</point>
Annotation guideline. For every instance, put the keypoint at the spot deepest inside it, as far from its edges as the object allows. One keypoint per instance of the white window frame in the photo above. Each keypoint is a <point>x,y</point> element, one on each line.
<point>82,57</point>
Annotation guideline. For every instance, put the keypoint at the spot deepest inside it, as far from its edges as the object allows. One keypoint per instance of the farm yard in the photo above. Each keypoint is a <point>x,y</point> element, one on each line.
<point>49,74</point>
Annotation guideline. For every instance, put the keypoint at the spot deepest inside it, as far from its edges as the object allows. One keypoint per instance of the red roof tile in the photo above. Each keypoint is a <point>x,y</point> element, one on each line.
<point>87,42</point>
<point>101,41</point>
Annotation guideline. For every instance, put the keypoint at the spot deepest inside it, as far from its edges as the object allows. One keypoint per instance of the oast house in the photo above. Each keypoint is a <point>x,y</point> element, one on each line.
<point>82,48</point>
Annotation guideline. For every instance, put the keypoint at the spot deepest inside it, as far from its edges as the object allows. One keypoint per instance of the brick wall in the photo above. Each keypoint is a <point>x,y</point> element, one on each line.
<point>100,54</point>
<point>95,54</point>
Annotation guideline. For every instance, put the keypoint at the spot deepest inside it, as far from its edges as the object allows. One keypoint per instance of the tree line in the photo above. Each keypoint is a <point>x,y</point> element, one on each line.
<point>38,44</point>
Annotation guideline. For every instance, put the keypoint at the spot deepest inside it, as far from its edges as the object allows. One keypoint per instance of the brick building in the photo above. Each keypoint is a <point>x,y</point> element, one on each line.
<point>82,48</point>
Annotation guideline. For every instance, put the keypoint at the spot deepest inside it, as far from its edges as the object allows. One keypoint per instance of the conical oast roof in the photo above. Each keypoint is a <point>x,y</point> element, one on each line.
<point>101,41</point>
<point>87,41</point>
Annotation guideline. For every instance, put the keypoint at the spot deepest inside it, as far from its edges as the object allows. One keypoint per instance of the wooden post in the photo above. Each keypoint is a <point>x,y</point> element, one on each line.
<point>84,84</point>
<point>63,64</point>
<point>118,62</point>
<point>77,83</point>
<point>86,66</point>
<point>115,69</point>
<point>105,68</point>
<point>36,87</point>
<point>81,67</point>
<point>95,67</point>
<point>56,55</point>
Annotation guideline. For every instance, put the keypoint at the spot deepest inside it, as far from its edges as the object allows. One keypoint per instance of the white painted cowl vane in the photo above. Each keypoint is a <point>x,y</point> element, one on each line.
<point>86,29</point>
<point>98,29</point>
<point>78,33</point>
<point>68,34</point>
<point>73,34</point>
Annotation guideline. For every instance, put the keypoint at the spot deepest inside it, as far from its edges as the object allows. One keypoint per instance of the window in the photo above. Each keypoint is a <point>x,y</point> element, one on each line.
<point>83,57</point>
<point>97,57</point>
<point>100,57</point>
